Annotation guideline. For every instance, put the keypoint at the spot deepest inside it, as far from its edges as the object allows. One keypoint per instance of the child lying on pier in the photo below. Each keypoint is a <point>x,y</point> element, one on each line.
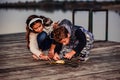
<point>71,41</point>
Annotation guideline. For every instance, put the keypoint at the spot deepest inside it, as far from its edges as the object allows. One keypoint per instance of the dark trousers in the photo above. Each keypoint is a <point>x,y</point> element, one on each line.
<point>44,42</point>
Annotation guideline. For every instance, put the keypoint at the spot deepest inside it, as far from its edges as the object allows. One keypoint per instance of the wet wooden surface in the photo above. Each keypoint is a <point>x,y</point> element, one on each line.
<point>16,63</point>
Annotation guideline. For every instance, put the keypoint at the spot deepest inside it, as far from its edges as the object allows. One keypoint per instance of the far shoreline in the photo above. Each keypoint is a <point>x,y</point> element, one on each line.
<point>63,5</point>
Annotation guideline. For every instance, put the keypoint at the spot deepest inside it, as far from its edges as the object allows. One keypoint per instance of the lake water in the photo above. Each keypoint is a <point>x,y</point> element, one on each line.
<point>13,21</point>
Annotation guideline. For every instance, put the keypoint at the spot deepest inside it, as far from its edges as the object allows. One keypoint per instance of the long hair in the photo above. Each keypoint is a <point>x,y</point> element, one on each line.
<point>27,28</point>
<point>46,22</point>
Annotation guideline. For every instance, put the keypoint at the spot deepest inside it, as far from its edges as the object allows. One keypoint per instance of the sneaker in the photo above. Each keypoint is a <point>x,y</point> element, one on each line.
<point>83,57</point>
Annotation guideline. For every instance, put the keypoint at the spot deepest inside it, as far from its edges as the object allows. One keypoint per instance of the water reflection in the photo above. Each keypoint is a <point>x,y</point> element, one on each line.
<point>13,21</point>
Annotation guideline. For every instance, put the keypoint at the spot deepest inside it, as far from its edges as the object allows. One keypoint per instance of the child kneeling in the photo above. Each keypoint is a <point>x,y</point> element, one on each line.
<point>71,41</point>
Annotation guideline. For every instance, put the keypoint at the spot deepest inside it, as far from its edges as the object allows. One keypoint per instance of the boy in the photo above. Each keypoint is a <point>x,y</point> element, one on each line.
<point>71,41</point>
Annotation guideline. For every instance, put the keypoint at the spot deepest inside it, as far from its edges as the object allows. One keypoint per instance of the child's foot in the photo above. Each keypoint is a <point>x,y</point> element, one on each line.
<point>83,57</point>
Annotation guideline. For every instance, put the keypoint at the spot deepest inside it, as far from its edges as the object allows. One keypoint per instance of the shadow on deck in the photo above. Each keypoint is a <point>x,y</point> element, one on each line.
<point>16,63</point>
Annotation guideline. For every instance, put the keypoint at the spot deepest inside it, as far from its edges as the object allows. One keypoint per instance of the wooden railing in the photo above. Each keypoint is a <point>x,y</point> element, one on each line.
<point>90,19</point>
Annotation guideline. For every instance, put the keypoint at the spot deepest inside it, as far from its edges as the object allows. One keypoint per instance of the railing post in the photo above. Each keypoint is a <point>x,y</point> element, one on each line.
<point>106,35</point>
<point>90,22</point>
<point>73,17</point>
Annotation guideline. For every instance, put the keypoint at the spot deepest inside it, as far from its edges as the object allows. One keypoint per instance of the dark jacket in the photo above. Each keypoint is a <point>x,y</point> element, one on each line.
<point>78,38</point>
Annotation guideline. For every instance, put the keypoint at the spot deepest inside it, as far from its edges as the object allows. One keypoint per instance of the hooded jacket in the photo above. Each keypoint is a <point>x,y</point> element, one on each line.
<point>78,37</point>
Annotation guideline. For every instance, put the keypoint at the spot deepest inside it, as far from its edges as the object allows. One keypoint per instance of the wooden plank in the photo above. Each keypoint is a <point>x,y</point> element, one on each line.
<point>107,75</point>
<point>59,72</point>
<point>93,62</point>
<point>16,63</point>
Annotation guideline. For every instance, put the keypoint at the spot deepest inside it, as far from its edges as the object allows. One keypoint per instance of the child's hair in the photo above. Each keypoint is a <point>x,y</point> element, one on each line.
<point>60,33</point>
<point>28,30</point>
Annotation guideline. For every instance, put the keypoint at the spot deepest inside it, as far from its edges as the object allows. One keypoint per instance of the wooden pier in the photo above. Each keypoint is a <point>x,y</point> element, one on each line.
<point>16,62</point>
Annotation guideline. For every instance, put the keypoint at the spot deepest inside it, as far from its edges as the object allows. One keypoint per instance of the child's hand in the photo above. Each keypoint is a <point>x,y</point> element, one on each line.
<point>51,53</point>
<point>69,55</point>
<point>44,57</point>
<point>56,57</point>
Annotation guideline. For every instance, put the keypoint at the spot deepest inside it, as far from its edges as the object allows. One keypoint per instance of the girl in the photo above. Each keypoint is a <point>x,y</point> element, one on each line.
<point>73,41</point>
<point>38,31</point>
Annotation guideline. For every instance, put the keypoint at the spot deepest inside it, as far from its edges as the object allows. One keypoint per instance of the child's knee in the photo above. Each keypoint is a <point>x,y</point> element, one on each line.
<point>41,36</point>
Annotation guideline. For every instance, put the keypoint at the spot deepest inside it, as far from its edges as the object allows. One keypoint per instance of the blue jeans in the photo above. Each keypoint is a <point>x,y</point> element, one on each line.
<point>44,42</point>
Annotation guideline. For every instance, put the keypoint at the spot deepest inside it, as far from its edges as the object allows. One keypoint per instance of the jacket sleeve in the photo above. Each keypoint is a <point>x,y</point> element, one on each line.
<point>80,36</point>
<point>34,45</point>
